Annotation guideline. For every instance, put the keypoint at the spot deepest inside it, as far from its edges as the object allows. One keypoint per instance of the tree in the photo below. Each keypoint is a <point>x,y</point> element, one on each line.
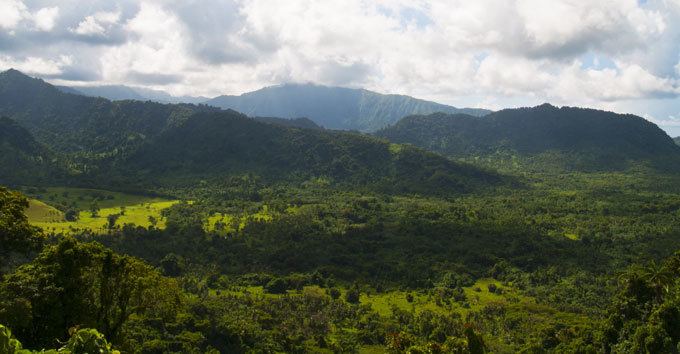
<point>172,265</point>
<point>658,277</point>
<point>277,285</point>
<point>353,294</point>
<point>111,221</point>
<point>16,234</point>
<point>75,283</point>
<point>94,209</point>
<point>71,215</point>
<point>152,220</point>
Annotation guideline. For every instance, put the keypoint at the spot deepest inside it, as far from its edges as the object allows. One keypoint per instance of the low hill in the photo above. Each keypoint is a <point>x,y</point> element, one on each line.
<point>333,107</point>
<point>545,136</point>
<point>215,144</point>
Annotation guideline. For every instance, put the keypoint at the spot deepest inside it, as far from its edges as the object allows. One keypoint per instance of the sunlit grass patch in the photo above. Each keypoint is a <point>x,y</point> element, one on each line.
<point>131,209</point>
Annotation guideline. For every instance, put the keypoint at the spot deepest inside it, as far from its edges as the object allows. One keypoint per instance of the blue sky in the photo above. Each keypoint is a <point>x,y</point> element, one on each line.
<point>620,55</point>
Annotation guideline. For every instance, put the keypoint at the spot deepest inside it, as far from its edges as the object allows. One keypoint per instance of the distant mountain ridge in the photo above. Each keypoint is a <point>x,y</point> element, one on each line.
<point>566,138</point>
<point>677,140</point>
<point>334,107</point>
<point>122,92</point>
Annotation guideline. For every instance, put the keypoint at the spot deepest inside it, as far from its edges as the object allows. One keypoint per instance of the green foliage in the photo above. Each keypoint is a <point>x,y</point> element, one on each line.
<point>86,341</point>
<point>542,138</point>
<point>16,235</point>
<point>9,344</point>
<point>73,283</point>
<point>645,316</point>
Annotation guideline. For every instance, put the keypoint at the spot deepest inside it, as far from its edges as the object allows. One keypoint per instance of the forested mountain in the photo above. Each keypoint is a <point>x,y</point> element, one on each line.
<point>564,138</point>
<point>74,123</point>
<point>22,158</point>
<point>229,142</point>
<point>122,92</point>
<point>148,141</point>
<point>677,140</point>
<point>333,107</point>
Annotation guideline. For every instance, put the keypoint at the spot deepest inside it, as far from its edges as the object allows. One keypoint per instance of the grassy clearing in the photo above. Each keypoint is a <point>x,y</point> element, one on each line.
<point>133,209</point>
<point>228,223</point>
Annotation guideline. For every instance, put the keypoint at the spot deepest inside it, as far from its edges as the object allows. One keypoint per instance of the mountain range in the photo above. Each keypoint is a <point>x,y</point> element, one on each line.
<point>329,107</point>
<point>334,107</point>
<point>565,138</point>
<point>122,92</point>
<point>125,142</point>
<point>131,138</point>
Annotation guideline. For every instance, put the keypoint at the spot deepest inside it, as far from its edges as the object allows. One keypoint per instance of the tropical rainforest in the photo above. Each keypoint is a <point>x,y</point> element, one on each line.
<point>142,227</point>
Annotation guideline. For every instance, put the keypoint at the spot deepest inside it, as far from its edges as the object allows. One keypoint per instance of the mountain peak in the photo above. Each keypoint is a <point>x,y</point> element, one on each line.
<point>333,107</point>
<point>14,73</point>
<point>546,106</point>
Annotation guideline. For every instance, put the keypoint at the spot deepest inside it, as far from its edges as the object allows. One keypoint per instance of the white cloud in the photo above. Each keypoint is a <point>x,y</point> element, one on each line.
<point>45,18</point>
<point>474,53</point>
<point>35,65</point>
<point>97,24</point>
<point>11,13</point>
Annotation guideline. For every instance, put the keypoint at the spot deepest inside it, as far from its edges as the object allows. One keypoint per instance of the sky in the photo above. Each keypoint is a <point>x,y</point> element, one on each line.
<point>619,55</point>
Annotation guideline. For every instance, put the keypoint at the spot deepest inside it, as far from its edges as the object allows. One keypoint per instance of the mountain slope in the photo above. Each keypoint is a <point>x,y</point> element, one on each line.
<point>565,138</point>
<point>677,140</point>
<point>333,107</point>
<point>74,123</point>
<point>216,144</point>
<point>23,160</point>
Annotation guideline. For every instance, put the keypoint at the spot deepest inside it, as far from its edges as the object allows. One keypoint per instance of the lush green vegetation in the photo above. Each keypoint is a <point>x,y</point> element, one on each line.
<point>216,232</point>
<point>542,138</point>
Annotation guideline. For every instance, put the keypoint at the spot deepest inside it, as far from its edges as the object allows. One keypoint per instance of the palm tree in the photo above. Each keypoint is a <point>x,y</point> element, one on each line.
<point>658,277</point>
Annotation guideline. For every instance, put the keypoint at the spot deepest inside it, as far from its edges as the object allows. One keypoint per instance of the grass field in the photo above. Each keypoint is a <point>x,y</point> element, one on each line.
<point>138,210</point>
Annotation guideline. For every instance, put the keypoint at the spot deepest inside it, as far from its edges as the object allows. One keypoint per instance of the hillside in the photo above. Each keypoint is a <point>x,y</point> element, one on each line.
<point>73,123</point>
<point>547,136</point>
<point>333,107</point>
<point>677,140</point>
<point>214,144</point>
<point>23,160</point>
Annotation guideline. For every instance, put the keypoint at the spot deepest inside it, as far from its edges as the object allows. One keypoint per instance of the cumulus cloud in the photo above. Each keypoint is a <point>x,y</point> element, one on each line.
<point>36,65</point>
<point>11,13</point>
<point>97,24</point>
<point>45,18</point>
<point>473,53</point>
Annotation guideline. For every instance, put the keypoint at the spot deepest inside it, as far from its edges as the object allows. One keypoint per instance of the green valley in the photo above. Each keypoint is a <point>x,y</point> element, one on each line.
<point>139,227</point>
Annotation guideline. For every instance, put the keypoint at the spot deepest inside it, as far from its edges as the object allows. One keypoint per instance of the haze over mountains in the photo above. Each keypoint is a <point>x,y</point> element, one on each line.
<point>122,92</point>
<point>329,107</point>
<point>334,107</point>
